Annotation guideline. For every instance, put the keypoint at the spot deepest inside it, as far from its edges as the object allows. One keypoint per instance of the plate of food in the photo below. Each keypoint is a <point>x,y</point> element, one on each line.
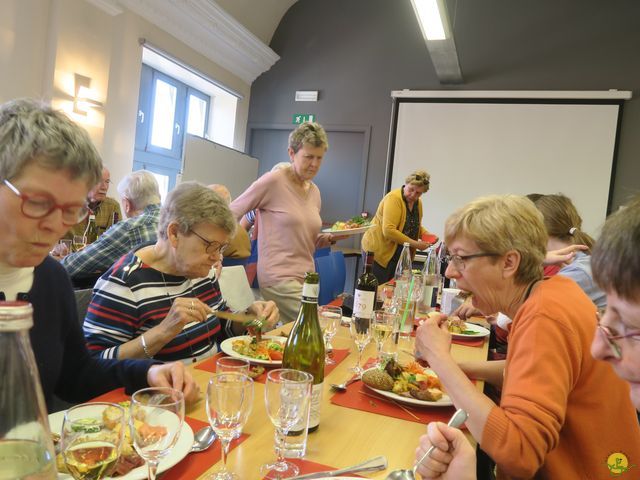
<point>411,384</point>
<point>353,226</point>
<point>266,352</point>
<point>130,465</point>
<point>461,329</point>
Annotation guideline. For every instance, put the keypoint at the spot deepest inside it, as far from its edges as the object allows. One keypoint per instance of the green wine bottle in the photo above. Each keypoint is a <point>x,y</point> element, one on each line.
<point>304,349</point>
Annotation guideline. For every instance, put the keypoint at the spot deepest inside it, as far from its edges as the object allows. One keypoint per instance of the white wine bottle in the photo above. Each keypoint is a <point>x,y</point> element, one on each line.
<point>304,349</point>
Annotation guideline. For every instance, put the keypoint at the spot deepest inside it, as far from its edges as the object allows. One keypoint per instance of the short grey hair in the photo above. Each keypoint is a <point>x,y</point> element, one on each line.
<point>140,188</point>
<point>308,133</point>
<point>34,133</point>
<point>191,203</point>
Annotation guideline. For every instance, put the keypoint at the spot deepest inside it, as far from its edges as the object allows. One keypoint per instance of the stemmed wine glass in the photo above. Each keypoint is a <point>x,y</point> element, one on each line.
<point>229,403</point>
<point>287,394</point>
<point>360,328</point>
<point>92,438</point>
<point>78,242</point>
<point>156,421</point>
<point>330,318</point>
<point>382,324</point>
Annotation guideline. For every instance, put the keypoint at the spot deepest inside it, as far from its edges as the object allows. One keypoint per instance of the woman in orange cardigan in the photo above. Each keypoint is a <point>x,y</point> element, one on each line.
<point>397,221</point>
<point>562,413</point>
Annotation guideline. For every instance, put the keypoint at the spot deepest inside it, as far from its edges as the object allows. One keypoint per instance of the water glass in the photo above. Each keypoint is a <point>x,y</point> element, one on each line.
<point>232,365</point>
<point>229,403</point>
<point>330,318</point>
<point>287,394</point>
<point>92,438</point>
<point>161,410</point>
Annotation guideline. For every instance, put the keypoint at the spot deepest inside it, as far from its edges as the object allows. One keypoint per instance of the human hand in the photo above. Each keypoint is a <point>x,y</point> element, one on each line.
<point>267,310</point>
<point>433,339</point>
<point>467,310</point>
<point>184,310</point>
<point>563,256</point>
<point>422,245</point>
<point>59,251</point>
<point>453,457</point>
<point>174,375</point>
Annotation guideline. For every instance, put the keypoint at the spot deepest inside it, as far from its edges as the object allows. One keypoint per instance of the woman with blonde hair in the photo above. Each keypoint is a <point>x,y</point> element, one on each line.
<point>397,221</point>
<point>564,227</point>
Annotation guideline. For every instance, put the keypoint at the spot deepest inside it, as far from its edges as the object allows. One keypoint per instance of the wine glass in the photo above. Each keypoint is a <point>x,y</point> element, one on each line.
<point>232,365</point>
<point>79,242</point>
<point>360,328</point>
<point>287,394</point>
<point>156,421</point>
<point>382,323</point>
<point>229,403</point>
<point>330,318</point>
<point>92,436</point>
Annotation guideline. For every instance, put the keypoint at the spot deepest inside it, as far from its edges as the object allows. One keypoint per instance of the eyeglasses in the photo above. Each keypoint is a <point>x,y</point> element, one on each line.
<point>212,247</point>
<point>458,261</point>
<point>39,206</point>
<point>611,336</point>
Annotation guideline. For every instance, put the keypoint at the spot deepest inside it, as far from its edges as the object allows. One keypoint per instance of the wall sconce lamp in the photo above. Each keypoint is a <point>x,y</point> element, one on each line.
<point>82,100</point>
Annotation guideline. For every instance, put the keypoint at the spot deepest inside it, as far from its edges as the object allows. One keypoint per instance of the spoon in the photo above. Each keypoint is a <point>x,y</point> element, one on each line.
<point>342,387</point>
<point>203,439</point>
<point>456,420</point>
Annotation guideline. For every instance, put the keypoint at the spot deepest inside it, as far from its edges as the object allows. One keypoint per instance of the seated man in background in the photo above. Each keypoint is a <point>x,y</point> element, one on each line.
<point>141,202</point>
<point>239,248</point>
<point>106,209</point>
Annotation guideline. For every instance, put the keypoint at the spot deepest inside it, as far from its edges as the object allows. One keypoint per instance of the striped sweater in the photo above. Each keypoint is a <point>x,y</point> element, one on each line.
<point>132,297</point>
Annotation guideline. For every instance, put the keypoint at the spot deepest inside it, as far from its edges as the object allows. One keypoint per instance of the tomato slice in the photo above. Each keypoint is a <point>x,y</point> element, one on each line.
<point>275,354</point>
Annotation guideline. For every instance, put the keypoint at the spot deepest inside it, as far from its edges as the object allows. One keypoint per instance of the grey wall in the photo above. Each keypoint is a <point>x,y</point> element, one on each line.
<point>355,52</point>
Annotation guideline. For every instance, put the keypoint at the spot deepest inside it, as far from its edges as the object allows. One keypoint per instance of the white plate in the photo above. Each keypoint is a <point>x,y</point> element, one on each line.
<point>445,401</point>
<point>179,451</point>
<point>478,332</point>
<point>227,347</point>
<point>350,231</point>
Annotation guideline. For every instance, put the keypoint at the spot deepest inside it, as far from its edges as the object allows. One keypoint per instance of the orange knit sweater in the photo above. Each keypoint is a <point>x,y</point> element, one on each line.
<point>562,413</point>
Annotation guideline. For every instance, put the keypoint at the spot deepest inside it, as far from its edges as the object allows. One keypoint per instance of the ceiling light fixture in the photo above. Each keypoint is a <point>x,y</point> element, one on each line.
<point>430,19</point>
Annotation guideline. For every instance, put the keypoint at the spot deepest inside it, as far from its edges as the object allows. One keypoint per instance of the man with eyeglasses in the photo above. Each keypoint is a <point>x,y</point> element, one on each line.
<point>100,205</point>
<point>141,202</point>
<point>47,166</point>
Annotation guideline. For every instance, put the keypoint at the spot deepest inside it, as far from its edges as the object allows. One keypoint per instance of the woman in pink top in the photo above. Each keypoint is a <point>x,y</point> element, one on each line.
<point>289,220</point>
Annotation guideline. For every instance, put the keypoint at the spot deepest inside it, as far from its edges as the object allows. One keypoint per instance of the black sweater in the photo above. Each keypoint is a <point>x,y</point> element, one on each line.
<point>66,367</point>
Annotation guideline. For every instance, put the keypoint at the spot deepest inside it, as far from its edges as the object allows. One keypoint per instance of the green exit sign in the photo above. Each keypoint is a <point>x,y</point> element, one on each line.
<point>299,118</point>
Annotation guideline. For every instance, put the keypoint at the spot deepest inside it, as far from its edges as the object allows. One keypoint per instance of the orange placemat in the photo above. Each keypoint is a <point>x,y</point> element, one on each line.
<point>209,365</point>
<point>307,466</point>
<point>114,396</point>
<point>195,464</point>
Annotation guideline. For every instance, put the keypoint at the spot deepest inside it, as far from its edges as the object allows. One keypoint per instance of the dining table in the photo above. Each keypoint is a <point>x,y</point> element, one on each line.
<point>346,436</point>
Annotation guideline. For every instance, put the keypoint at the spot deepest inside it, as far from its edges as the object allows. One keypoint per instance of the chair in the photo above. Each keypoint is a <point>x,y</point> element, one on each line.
<point>251,267</point>
<point>340,272</point>
<point>321,252</point>
<point>326,269</point>
<point>83,298</point>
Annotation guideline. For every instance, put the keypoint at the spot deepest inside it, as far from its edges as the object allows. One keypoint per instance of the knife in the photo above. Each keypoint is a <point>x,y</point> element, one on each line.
<point>371,465</point>
<point>240,317</point>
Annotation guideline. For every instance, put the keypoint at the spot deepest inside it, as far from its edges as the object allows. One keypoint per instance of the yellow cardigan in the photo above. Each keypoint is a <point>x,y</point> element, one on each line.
<point>386,233</point>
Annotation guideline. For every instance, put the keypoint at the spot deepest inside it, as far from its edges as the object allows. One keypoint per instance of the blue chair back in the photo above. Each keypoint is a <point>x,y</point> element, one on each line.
<point>321,252</point>
<point>340,273</point>
<point>326,269</point>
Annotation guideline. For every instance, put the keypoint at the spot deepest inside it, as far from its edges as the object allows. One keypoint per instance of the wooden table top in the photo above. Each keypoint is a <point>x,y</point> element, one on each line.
<point>345,437</point>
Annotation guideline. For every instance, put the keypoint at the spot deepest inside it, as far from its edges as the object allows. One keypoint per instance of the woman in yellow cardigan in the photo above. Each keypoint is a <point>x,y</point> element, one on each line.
<point>397,221</point>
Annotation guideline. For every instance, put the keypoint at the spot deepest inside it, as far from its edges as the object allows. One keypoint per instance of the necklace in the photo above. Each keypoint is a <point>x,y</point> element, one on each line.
<point>186,334</point>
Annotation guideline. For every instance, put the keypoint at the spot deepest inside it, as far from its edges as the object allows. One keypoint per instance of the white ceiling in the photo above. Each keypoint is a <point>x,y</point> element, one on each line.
<point>260,17</point>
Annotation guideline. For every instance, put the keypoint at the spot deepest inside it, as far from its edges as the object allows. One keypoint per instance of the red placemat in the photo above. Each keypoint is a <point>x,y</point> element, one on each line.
<point>209,365</point>
<point>195,464</point>
<point>306,467</point>
<point>472,342</point>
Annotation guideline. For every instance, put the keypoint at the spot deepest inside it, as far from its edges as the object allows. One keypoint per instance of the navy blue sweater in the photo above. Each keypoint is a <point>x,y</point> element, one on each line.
<point>66,367</point>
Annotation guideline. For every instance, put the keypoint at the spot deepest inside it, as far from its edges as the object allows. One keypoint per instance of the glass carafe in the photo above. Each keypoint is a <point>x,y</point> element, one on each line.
<point>26,446</point>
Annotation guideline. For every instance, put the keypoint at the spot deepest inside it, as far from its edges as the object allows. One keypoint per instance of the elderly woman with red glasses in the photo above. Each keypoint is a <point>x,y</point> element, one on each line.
<point>562,412</point>
<point>158,301</point>
<point>47,166</point>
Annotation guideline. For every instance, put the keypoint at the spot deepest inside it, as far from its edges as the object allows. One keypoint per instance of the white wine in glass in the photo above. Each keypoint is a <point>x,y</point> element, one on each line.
<point>90,445</point>
<point>383,322</point>
<point>163,411</point>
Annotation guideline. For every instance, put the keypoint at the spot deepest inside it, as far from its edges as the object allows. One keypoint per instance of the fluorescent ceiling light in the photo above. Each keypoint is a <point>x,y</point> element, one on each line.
<point>430,19</point>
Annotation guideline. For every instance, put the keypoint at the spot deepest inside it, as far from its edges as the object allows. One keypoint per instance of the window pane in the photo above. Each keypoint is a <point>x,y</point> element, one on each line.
<point>197,113</point>
<point>164,107</point>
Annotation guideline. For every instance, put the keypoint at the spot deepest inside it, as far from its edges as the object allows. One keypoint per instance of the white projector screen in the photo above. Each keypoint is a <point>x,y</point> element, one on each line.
<point>477,147</point>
